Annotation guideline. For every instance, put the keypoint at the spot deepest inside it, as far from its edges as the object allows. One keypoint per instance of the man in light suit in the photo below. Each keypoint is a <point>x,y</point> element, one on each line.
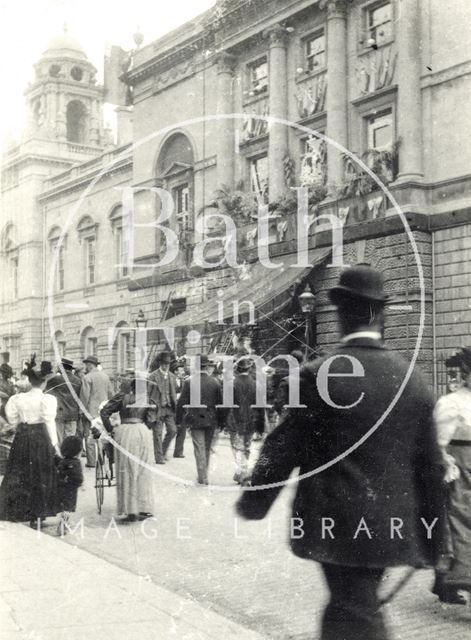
<point>163,394</point>
<point>389,473</point>
<point>96,388</point>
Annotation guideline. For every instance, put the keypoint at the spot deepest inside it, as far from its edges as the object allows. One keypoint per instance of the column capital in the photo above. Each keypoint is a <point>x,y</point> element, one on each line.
<point>226,62</point>
<point>278,36</point>
<point>335,8</point>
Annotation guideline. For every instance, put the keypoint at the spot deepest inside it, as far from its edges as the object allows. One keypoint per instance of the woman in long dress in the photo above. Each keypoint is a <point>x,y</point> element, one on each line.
<point>453,426</point>
<point>133,480</point>
<point>28,490</point>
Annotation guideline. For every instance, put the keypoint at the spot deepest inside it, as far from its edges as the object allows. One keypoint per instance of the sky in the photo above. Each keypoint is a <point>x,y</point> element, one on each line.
<point>26,26</point>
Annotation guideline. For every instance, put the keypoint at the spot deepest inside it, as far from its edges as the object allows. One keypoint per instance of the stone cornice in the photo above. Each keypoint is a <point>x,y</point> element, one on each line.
<point>445,75</point>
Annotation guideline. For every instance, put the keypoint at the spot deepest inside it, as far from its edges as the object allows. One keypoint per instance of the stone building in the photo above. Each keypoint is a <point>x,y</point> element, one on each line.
<point>386,80</point>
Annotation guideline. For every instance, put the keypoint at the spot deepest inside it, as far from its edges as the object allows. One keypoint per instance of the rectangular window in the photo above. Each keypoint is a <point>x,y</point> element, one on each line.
<point>258,76</point>
<point>259,177</point>
<point>59,280</point>
<point>380,23</point>
<point>90,258</point>
<point>14,275</point>
<point>124,351</point>
<point>380,131</point>
<point>315,52</point>
<point>121,253</point>
<point>90,347</point>
<point>11,344</point>
<point>182,206</point>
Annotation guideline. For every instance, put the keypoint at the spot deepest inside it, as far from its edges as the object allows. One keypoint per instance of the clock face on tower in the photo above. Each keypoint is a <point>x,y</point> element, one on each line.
<point>76,73</point>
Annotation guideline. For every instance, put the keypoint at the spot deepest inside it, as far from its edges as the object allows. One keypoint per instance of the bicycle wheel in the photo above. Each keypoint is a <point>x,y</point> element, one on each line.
<point>100,479</point>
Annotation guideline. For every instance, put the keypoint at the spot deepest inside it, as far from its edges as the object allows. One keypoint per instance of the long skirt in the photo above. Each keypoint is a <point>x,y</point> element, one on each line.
<point>133,480</point>
<point>459,518</point>
<point>28,489</point>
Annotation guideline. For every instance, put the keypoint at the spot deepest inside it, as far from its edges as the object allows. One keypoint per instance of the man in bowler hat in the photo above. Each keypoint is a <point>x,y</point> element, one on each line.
<point>96,388</point>
<point>342,514</point>
<point>67,407</point>
<point>204,419</point>
<point>162,393</point>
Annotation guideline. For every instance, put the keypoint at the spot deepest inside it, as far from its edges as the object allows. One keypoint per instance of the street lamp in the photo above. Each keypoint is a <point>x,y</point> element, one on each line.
<point>307,301</point>
<point>141,320</point>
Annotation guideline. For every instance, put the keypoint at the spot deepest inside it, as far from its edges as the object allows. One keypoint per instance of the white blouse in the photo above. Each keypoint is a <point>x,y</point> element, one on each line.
<point>32,407</point>
<point>453,416</point>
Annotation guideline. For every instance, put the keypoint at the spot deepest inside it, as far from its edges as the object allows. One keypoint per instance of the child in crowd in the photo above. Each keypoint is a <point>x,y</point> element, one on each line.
<point>69,479</point>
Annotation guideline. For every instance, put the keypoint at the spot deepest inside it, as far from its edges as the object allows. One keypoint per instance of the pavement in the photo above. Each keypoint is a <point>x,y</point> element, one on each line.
<point>193,571</point>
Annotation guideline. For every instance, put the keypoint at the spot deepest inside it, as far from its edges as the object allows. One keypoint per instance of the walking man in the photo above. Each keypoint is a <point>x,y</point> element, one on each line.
<point>202,419</point>
<point>344,516</point>
<point>67,407</point>
<point>162,394</point>
<point>244,421</point>
<point>96,388</point>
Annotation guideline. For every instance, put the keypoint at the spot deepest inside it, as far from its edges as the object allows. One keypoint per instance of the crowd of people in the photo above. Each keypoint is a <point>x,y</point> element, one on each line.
<point>413,467</point>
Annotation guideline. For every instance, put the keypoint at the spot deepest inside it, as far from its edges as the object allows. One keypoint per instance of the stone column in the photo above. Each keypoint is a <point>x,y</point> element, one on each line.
<point>409,100</point>
<point>278,108</point>
<point>336,102</point>
<point>225,127</point>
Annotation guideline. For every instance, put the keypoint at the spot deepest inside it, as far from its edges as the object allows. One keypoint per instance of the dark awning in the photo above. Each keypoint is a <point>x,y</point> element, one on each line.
<point>260,285</point>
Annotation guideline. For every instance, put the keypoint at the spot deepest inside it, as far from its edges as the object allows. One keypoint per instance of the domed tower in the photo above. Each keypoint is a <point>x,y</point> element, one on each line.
<point>64,101</point>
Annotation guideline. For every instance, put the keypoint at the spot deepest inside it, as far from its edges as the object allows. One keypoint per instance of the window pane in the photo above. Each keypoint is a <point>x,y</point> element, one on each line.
<point>382,136</point>
<point>259,175</point>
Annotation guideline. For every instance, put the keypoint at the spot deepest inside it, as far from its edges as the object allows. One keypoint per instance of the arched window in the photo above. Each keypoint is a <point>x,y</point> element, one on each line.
<point>10,260</point>
<point>87,230</point>
<point>88,342</point>
<point>57,252</point>
<point>76,119</point>
<point>175,169</point>
<point>122,347</point>
<point>59,340</point>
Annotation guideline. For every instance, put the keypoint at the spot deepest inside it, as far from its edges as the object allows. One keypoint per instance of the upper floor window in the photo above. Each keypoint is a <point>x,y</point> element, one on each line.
<point>76,122</point>
<point>90,260</point>
<point>315,52</point>
<point>259,177</point>
<point>258,76</point>
<point>57,252</point>
<point>380,131</point>
<point>181,195</point>
<point>122,241</point>
<point>87,233</point>
<point>173,308</point>
<point>379,23</point>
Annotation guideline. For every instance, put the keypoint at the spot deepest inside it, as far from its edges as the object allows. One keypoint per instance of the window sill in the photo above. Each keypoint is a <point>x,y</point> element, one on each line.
<point>308,75</point>
<point>89,291</point>
<point>256,140</point>
<point>122,283</point>
<point>247,101</point>
<point>363,50</point>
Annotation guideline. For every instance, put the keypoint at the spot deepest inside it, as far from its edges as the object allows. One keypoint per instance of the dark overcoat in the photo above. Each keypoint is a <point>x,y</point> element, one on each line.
<point>208,416</point>
<point>393,474</point>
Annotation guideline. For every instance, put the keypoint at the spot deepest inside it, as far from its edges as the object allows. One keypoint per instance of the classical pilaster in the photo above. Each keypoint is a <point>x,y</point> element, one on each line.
<point>225,126</point>
<point>278,108</point>
<point>336,102</point>
<point>409,100</point>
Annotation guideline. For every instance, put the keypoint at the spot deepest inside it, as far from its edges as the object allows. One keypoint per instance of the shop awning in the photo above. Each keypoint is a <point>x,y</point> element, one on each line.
<point>258,284</point>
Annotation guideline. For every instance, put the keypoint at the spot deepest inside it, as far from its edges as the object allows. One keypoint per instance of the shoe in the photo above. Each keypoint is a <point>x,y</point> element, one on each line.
<point>236,477</point>
<point>143,515</point>
<point>90,466</point>
<point>131,517</point>
<point>447,593</point>
<point>182,456</point>
<point>160,462</point>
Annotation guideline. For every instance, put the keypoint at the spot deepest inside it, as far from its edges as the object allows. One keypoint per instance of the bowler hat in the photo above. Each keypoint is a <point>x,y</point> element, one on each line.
<point>165,357</point>
<point>67,363</point>
<point>360,281</point>
<point>92,360</point>
<point>244,364</point>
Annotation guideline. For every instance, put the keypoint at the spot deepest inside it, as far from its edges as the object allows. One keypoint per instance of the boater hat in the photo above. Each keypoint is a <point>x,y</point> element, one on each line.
<point>360,281</point>
<point>165,357</point>
<point>92,360</point>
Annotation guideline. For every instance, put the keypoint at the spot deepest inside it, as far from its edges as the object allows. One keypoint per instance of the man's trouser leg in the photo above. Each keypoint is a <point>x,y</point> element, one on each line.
<point>353,610</point>
<point>208,441</point>
<point>90,447</point>
<point>157,429</point>
<point>180,440</point>
<point>202,446</point>
<point>65,428</point>
<point>170,429</point>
